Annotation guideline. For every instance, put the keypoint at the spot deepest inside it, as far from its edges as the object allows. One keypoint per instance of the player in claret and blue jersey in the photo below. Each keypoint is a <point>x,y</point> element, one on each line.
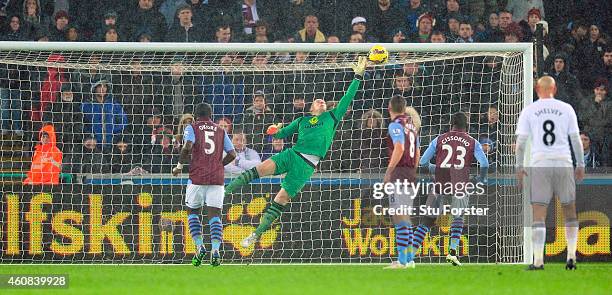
<point>403,150</point>
<point>454,151</point>
<point>205,143</point>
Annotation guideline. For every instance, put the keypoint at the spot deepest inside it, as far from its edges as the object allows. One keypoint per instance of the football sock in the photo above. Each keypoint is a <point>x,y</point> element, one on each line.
<point>216,232</point>
<point>271,214</point>
<point>195,228</point>
<point>419,235</point>
<point>455,233</point>
<point>403,233</point>
<point>571,235</point>
<point>245,178</point>
<point>538,237</point>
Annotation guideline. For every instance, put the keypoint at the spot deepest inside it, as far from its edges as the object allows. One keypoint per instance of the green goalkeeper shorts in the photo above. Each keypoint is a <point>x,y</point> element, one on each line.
<point>298,170</point>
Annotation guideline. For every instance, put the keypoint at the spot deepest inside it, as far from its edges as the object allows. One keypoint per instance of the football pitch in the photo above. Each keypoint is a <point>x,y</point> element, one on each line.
<point>590,278</point>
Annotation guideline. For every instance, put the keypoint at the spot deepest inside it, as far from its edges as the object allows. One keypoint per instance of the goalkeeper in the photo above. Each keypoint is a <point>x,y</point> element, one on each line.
<point>315,134</point>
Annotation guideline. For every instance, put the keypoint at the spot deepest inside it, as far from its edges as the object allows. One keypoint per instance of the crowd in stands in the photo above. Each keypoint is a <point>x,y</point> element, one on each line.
<point>137,117</point>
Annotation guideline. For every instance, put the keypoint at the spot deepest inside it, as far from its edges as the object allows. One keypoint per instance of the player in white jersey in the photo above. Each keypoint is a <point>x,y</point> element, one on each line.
<point>552,125</point>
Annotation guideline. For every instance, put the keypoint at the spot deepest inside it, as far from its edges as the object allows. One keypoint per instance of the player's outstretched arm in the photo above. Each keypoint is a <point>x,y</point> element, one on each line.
<point>346,100</point>
<point>284,131</point>
<point>482,159</point>
<point>430,152</point>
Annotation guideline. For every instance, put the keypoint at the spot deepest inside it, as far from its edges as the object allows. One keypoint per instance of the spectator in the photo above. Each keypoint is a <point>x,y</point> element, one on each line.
<point>123,160</point>
<point>452,28</point>
<point>492,31</point>
<point>144,35</point>
<point>111,34</point>
<point>257,118</point>
<point>534,16</point>
<point>356,37</point>
<point>588,55</point>
<point>202,16</point>
<point>415,9</point>
<point>437,37</point>
<point>385,15</point>
<point>595,114</point>
<point>66,115</point>
<point>36,19</point>
<point>185,92</point>
<point>224,91</point>
<point>465,33</point>
<point>88,159</point>
<point>16,30</point>
<point>186,119</point>
<point>81,81</point>
<point>370,152</point>
<point>58,31</point>
<point>275,146</point>
<point>513,33</point>
<point>223,34</point>
<point>50,86</point>
<point>490,129</point>
<point>262,32</point>
<point>246,158</point>
<point>505,19</point>
<point>185,30</point>
<point>604,67</point>
<point>226,124</point>
<point>298,109</point>
<point>145,16</point>
<point>169,9</point>
<point>591,156</point>
<point>402,85</point>
<point>425,24</point>
<point>104,116</point>
<point>520,8</point>
<point>47,160</point>
<point>398,36</point>
<point>11,101</point>
<point>110,20</point>
<point>479,9</point>
<point>578,33</point>
<point>567,84</point>
<point>252,12</point>
<point>310,33</point>
<point>359,25</point>
<point>72,33</point>
<point>451,11</point>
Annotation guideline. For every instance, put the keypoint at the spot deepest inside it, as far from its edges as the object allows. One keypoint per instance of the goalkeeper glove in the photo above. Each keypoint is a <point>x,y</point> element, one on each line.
<point>360,67</point>
<point>273,129</point>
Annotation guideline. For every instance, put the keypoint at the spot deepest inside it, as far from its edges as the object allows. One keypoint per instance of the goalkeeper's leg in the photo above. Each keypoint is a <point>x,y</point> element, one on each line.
<point>268,167</point>
<point>298,174</point>
<point>273,212</point>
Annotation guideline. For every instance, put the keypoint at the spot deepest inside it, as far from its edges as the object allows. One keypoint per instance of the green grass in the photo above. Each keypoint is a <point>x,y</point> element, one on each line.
<point>592,278</point>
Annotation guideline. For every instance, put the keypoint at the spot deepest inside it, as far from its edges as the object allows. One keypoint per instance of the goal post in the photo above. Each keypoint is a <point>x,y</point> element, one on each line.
<point>117,112</point>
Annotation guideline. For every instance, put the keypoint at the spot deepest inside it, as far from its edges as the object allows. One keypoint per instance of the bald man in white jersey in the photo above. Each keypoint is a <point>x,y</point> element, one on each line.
<point>552,125</point>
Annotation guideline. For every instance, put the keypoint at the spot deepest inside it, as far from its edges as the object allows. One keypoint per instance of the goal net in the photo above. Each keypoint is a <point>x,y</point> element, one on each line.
<point>116,114</point>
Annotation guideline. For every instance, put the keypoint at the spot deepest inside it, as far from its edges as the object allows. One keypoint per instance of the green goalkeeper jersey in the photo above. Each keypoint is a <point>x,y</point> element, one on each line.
<point>315,133</point>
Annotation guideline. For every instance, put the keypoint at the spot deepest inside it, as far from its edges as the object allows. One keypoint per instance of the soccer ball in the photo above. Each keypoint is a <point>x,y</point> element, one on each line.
<point>378,54</point>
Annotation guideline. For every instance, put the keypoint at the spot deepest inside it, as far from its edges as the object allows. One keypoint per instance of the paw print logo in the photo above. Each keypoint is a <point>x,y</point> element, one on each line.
<point>241,223</point>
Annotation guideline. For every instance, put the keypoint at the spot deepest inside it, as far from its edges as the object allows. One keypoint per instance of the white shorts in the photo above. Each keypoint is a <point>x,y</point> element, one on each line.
<point>549,182</point>
<point>198,194</point>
